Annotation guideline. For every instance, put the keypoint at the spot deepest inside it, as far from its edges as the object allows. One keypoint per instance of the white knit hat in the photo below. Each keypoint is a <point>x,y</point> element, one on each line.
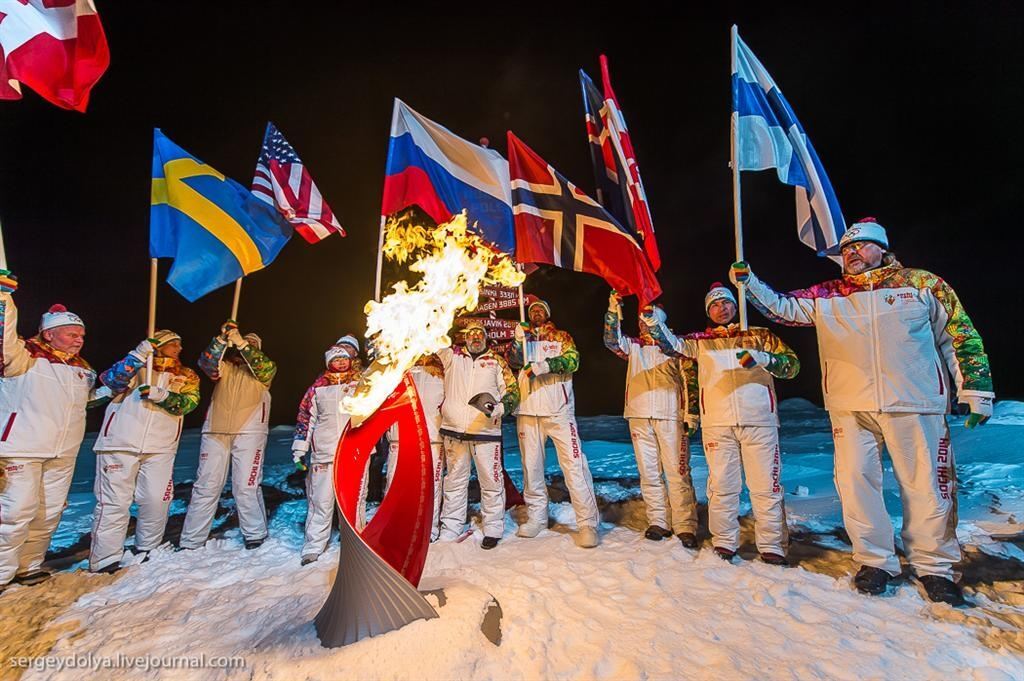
<point>346,346</point>
<point>58,315</point>
<point>165,336</point>
<point>865,229</point>
<point>718,292</point>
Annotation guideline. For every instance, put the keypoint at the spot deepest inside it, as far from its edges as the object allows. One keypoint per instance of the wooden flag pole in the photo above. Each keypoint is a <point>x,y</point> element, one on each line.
<point>522,313</point>
<point>3,251</point>
<point>151,322</point>
<point>380,258</point>
<point>234,303</point>
<point>736,207</point>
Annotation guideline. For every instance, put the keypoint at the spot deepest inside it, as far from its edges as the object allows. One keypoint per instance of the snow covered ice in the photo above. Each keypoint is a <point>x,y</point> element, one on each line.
<point>629,609</point>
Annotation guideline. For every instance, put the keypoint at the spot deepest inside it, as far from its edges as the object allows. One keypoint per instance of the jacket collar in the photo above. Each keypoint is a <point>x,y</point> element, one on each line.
<point>874,276</point>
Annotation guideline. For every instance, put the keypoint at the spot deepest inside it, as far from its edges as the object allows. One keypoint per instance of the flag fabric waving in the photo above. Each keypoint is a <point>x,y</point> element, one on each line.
<point>559,225</point>
<point>768,135</point>
<point>213,227</point>
<point>282,181</point>
<point>620,188</point>
<point>56,47</point>
<point>442,173</point>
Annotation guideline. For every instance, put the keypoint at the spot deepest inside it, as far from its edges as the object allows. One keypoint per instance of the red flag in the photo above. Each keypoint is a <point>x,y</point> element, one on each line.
<point>623,148</point>
<point>559,225</point>
<point>56,47</point>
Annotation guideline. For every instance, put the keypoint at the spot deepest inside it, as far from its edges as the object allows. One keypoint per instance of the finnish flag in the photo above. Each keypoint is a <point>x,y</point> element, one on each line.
<point>768,135</point>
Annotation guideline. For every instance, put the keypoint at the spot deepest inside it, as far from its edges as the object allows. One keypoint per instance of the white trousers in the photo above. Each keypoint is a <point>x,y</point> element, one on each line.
<point>122,477</point>
<point>533,433</point>
<point>487,457</point>
<point>437,464</point>
<point>735,452</point>
<point>660,446</point>
<point>320,509</point>
<point>32,497</point>
<point>922,461</point>
<point>244,453</point>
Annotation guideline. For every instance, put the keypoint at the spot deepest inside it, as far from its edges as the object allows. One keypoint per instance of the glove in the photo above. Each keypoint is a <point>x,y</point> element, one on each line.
<point>980,406</point>
<point>691,424</point>
<point>752,358</point>
<point>520,332</point>
<point>8,282</point>
<point>537,369</point>
<point>144,349</point>
<point>975,420</point>
<point>498,411</point>
<point>154,393</point>
<point>298,453</point>
<point>225,328</point>
<point>615,303</point>
<point>648,317</point>
<point>739,273</point>
<point>235,338</point>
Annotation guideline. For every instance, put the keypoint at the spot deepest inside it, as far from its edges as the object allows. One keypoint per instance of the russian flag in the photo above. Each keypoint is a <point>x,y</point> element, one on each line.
<point>443,174</point>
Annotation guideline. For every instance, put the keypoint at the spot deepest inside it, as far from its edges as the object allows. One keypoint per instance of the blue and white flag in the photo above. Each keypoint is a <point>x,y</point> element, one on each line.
<point>768,135</point>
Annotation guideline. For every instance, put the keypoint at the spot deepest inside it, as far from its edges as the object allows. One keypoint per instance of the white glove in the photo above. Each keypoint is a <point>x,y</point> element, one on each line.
<point>143,350</point>
<point>235,338</point>
<point>691,423</point>
<point>155,393</point>
<point>520,333</point>
<point>758,358</point>
<point>980,403</point>
<point>498,411</point>
<point>298,453</point>
<point>538,368</point>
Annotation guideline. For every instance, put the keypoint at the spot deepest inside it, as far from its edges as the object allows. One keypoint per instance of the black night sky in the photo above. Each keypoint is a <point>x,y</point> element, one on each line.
<point>915,111</point>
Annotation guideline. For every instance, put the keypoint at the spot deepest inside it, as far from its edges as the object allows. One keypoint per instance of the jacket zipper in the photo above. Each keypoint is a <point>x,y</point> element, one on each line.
<point>826,377</point>
<point>942,388</point>
<point>771,399</point>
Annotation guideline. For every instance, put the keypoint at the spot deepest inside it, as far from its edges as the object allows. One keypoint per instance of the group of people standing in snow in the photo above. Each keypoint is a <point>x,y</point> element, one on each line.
<point>895,347</point>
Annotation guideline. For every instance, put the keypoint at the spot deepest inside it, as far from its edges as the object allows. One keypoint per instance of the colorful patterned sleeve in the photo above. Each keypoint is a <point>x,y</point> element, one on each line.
<point>614,339</point>
<point>119,377</point>
<point>16,359</point>
<point>184,397</point>
<point>783,362</point>
<point>511,397</point>
<point>261,366</point>
<point>795,308</point>
<point>305,418</point>
<point>957,339</point>
<point>670,344</point>
<point>569,361</point>
<point>210,359</point>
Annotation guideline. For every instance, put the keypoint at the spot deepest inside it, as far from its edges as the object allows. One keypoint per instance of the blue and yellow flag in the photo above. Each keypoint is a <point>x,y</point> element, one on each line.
<point>214,228</point>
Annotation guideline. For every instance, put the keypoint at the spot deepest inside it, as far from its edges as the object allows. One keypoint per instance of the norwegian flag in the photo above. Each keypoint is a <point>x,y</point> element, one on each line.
<point>56,47</point>
<point>559,225</point>
<point>620,189</point>
<point>283,181</point>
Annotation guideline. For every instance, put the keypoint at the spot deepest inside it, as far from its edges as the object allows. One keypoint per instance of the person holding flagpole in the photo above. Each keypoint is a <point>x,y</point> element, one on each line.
<point>234,435</point>
<point>659,391</point>
<point>739,418</point>
<point>45,388</point>
<point>136,448</point>
<point>890,339</point>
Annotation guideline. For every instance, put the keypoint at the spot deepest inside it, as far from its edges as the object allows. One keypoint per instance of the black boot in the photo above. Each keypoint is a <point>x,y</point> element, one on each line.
<point>108,569</point>
<point>251,544</point>
<point>724,554</point>
<point>30,578</point>
<point>942,590</point>
<point>688,539</point>
<point>774,559</point>
<point>655,533</point>
<point>871,580</point>
<point>489,542</point>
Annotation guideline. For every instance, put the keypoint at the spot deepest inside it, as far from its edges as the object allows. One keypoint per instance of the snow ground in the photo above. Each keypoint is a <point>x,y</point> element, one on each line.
<point>628,609</point>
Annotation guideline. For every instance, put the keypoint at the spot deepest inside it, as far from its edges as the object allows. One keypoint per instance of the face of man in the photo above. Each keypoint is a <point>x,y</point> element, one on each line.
<point>722,311</point>
<point>861,256</point>
<point>340,363</point>
<point>171,349</point>
<point>476,341</point>
<point>537,314</point>
<point>69,339</point>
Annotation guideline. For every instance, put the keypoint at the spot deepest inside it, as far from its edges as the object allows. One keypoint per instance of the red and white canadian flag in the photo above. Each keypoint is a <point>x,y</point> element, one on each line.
<point>56,47</point>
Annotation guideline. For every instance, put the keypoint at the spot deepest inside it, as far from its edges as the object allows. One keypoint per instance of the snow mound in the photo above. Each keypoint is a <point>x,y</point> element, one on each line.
<point>1008,413</point>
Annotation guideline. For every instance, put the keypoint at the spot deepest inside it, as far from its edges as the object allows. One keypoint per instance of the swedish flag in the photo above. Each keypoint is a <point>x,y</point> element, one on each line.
<point>212,226</point>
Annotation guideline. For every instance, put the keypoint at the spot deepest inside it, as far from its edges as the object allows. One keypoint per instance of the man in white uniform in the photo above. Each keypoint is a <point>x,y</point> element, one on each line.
<point>890,337</point>
<point>548,410</point>
<point>235,435</point>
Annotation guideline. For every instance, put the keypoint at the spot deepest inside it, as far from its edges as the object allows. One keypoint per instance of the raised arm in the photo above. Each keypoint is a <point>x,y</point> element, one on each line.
<point>212,356</point>
<point>262,367</point>
<point>118,378</point>
<point>16,359</point>
<point>613,338</point>
<point>795,308</point>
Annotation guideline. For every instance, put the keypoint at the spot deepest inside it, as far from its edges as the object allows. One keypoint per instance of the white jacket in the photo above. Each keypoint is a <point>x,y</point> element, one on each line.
<point>549,394</point>
<point>730,394</point>
<point>43,394</point>
<point>889,339</point>
<point>241,398</point>
<point>657,384</point>
<point>321,421</point>
<point>140,426</point>
<point>466,377</point>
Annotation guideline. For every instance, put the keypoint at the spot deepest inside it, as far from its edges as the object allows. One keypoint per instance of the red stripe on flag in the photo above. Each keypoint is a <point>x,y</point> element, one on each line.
<point>409,187</point>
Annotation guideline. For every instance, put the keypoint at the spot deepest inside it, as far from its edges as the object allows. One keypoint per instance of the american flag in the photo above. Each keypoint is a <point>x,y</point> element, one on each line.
<point>283,181</point>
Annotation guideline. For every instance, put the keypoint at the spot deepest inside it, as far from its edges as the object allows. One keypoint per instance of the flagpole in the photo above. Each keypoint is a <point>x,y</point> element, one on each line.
<point>737,211</point>
<point>3,251</point>
<point>380,257</point>
<point>522,313</point>
<point>234,303</point>
<point>151,323</point>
